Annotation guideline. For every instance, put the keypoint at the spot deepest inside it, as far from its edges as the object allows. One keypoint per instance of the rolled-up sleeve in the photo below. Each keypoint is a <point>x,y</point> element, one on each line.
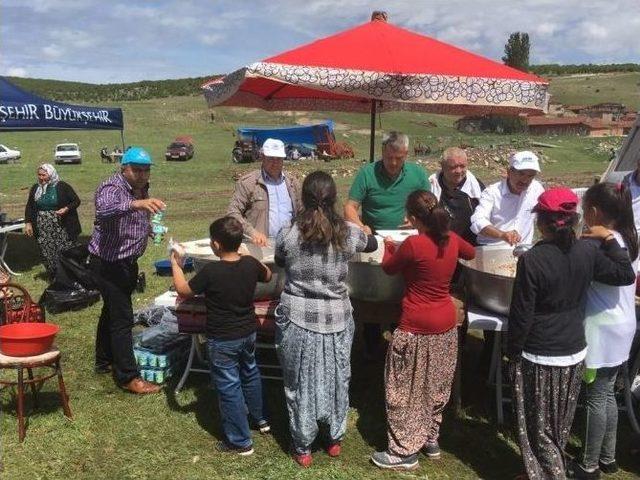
<point>112,200</point>
<point>481,217</point>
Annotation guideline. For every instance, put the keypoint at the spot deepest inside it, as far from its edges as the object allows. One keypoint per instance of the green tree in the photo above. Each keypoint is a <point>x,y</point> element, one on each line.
<point>517,51</point>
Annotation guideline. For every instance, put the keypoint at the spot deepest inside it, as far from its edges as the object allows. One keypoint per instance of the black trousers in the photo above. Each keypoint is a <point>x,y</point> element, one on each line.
<point>114,340</point>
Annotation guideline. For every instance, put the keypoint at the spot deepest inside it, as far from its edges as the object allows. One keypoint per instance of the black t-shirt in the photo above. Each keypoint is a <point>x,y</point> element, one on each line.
<point>228,289</point>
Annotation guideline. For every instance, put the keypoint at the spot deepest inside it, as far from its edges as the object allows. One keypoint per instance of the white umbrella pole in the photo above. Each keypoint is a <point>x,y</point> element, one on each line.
<point>373,131</point>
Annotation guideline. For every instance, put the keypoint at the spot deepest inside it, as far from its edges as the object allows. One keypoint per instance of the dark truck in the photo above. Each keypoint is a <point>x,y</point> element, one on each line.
<point>180,149</point>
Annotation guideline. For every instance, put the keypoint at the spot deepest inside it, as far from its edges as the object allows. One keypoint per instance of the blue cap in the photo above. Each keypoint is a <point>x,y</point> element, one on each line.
<point>136,156</point>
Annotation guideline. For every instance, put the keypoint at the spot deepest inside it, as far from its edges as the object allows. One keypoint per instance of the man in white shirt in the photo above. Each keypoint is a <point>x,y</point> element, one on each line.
<point>504,214</point>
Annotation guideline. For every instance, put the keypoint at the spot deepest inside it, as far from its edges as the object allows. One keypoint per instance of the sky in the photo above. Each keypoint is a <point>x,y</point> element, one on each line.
<point>116,41</point>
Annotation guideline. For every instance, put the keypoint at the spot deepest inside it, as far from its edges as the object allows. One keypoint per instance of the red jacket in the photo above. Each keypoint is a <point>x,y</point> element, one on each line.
<point>426,306</point>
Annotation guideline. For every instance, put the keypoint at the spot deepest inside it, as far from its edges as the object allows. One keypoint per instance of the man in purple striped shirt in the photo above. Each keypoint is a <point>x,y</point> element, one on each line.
<point>119,238</point>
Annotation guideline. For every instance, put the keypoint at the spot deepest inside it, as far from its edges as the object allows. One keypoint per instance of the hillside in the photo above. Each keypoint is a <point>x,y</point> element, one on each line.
<point>585,88</point>
<point>114,92</point>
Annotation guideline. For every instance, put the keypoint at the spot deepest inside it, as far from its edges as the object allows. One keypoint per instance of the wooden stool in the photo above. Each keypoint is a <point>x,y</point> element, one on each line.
<point>49,359</point>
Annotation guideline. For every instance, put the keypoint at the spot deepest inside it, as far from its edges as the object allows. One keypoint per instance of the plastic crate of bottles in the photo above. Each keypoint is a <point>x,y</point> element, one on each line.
<point>149,359</point>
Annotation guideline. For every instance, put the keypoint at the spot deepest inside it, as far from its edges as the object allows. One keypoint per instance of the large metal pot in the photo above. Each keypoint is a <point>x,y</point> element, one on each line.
<point>368,282</point>
<point>201,253</point>
<point>489,277</point>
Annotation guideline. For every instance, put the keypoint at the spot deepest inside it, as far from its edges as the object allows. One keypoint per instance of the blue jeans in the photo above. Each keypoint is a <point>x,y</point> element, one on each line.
<point>236,378</point>
<point>602,419</point>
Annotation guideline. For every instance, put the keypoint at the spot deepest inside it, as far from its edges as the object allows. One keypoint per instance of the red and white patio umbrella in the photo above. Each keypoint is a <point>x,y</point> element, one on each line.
<point>381,67</point>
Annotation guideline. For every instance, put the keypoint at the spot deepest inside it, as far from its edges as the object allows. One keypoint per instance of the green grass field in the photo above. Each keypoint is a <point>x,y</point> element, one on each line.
<point>115,435</point>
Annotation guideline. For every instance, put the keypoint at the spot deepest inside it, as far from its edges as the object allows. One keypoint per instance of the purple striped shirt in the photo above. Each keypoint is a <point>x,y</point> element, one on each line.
<point>118,231</point>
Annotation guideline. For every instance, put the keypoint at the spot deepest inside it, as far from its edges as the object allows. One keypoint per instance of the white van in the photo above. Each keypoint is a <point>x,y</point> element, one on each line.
<point>67,153</point>
<point>8,155</point>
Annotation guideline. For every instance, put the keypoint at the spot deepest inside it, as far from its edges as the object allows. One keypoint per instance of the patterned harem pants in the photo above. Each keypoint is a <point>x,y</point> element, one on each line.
<point>419,373</point>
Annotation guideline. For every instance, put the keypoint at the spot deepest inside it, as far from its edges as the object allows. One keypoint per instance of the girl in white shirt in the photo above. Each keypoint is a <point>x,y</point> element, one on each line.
<point>610,325</point>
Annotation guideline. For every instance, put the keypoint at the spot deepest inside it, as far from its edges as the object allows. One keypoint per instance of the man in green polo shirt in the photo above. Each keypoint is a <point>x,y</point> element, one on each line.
<point>381,188</point>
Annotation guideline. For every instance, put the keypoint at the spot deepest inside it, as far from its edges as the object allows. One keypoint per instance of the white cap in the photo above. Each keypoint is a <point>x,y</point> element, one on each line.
<point>273,147</point>
<point>524,160</point>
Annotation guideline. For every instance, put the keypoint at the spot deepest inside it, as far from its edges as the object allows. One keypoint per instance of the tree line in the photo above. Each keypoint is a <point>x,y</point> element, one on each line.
<point>112,92</point>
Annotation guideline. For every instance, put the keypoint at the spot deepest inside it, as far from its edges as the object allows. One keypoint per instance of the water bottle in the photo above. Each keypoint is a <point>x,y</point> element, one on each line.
<point>158,227</point>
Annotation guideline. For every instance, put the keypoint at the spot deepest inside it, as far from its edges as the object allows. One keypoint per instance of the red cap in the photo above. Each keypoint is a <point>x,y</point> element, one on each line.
<point>559,200</point>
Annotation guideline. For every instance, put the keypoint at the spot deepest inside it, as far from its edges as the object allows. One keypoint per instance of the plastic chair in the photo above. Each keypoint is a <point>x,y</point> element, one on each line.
<point>49,360</point>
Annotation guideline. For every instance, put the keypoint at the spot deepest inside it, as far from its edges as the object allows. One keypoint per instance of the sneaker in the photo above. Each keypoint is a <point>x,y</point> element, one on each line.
<point>394,462</point>
<point>263,426</point>
<point>431,450</point>
<point>334,449</point>
<point>576,470</point>
<point>224,447</point>
<point>609,468</point>
<point>303,459</point>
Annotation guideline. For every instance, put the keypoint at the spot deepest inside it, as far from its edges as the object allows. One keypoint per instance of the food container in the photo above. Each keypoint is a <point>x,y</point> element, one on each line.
<point>200,251</point>
<point>490,276</point>
<point>368,282</point>
<point>27,339</point>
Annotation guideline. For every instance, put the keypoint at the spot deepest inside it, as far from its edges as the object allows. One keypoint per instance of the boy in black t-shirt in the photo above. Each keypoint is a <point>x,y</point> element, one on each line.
<point>228,287</point>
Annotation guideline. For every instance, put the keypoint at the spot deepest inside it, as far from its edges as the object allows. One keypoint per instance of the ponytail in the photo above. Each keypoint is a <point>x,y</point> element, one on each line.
<point>319,224</point>
<point>424,206</point>
<point>560,226</point>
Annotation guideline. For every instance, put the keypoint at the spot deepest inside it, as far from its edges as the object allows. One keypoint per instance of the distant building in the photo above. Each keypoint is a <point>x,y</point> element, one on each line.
<point>578,125</point>
<point>557,126</point>
<point>608,111</point>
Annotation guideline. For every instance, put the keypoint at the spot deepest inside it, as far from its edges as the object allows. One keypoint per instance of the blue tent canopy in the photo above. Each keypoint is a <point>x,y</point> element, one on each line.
<point>295,134</point>
<point>21,110</point>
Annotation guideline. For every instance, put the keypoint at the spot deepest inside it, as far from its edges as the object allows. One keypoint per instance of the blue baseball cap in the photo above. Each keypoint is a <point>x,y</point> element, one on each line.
<point>136,156</point>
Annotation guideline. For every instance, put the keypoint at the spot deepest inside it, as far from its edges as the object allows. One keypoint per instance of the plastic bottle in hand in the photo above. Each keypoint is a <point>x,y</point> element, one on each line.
<point>158,227</point>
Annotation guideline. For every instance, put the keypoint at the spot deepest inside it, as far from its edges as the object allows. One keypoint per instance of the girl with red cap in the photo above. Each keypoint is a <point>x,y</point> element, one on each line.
<point>546,341</point>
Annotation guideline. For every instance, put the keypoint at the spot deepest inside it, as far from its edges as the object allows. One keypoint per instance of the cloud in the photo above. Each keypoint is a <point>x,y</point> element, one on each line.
<point>131,40</point>
<point>53,51</point>
<point>211,38</point>
<point>17,72</point>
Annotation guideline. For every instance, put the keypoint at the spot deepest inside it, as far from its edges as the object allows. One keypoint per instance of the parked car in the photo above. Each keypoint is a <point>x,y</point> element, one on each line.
<point>67,153</point>
<point>180,149</point>
<point>8,155</point>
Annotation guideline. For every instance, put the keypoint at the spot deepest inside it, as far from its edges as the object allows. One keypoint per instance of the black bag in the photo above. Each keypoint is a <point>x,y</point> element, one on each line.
<point>58,301</point>
<point>73,272</point>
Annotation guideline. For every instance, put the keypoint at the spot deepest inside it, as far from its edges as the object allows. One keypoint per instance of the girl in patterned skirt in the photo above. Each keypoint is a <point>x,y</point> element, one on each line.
<point>546,341</point>
<point>421,359</point>
<point>314,326</point>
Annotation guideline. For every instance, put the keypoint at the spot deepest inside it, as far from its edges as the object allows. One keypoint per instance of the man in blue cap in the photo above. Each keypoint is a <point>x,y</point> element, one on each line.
<point>121,230</point>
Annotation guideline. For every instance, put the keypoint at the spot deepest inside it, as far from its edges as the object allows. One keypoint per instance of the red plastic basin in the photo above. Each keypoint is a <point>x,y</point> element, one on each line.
<point>27,339</point>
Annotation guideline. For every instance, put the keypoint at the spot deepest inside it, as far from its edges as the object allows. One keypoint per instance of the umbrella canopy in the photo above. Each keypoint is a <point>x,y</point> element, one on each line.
<point>395,68</point>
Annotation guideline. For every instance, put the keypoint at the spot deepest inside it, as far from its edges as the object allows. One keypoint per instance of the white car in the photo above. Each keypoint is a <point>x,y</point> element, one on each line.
<point>67,153</point>
<point>9,155</point>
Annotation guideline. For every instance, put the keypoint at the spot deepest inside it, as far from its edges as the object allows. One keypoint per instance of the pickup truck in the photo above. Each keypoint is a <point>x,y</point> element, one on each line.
<point>8,155</point>
<point>67,153</point>
<point>180,149</point>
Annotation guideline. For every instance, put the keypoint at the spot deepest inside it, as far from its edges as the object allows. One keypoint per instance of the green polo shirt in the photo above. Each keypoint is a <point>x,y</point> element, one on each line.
<point>383,199</point>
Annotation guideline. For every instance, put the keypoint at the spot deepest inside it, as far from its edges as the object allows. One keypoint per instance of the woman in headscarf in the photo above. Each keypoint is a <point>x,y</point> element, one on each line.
<point>51,215</point>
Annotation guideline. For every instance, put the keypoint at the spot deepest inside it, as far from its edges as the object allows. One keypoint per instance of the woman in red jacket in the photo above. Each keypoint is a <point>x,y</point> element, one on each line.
<point>422,356</point>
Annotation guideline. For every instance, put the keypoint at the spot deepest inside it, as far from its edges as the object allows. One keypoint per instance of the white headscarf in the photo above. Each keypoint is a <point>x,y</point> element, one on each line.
<point>53,179</point>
